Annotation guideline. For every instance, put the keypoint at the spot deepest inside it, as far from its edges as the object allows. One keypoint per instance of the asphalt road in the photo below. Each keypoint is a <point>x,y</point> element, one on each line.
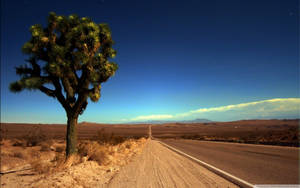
<point>257,164</point>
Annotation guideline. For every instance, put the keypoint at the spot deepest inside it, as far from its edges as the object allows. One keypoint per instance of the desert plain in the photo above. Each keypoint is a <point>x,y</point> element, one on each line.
<point>111,154</point>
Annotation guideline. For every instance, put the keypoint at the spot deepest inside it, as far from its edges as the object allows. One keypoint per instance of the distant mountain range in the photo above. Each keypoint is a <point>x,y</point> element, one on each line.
<point>172,121</point>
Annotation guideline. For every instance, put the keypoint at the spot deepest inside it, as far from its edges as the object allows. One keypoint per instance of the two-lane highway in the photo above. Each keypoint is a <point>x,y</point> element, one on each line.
<point>257,164</point>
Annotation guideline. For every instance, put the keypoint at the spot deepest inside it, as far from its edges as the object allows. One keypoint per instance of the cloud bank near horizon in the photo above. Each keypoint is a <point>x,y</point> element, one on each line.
<point>271,108</point>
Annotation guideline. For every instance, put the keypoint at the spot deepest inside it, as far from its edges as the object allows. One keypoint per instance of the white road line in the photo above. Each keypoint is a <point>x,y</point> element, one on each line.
<point>226,175</point>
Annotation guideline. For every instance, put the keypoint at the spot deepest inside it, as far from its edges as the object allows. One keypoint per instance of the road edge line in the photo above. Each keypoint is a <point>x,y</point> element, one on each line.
<point>226,175</point>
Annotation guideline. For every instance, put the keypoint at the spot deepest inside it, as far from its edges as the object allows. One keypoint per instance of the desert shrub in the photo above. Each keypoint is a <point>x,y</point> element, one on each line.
<point>60,149</point>
<point>57,164</point>
<point>118,140</point>
<point>100,155</point>
<point>19,143</point>
<point>5,142</point>
<point>20,155</point>
<point>84,149</point>
<point>193,137</point>
<point>103,137</point>
<point>87,148</point>
<point>128,145</point>
<point>108,138</point>
<point>45,147</point>
<point>3,133</point>
<point>94,151</point>
<point>49,142</point>
<point>35,154</point>
<point>34,137</point>
<point>285,137</point>
<point>41,167</point>
<point>59,159</point>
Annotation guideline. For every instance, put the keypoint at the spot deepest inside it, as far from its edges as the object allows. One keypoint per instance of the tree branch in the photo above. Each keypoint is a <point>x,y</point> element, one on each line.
<point>82,94</point>
<point>58,93</point>
<point>47,91</point>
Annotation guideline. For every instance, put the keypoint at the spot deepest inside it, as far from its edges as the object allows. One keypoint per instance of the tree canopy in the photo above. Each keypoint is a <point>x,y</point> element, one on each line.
<point>73,55</point>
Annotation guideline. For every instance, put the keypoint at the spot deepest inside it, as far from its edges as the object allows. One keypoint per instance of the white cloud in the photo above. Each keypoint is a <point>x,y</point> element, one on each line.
<point>284,104</point>
<point>152,117</point>
<point>278,107</point>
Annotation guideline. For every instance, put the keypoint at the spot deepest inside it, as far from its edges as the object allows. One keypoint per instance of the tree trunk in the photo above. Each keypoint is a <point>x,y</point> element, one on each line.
<point>71,135</point>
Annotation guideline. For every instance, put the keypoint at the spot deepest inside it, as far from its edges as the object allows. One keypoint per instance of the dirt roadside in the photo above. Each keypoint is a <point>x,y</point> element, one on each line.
<point>149,165</point>
<point>157,166</point>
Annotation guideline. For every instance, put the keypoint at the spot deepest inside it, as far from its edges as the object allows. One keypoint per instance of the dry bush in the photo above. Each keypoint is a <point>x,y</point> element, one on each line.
<point>45,147</point>
<point>20,155</point>
<point>94,151</point>
<point>34,137</point>
<point>3,133</point>
<point>41,167</point>
<point>60,149</point>
<point>19,143</point>
<point>87,148</point>
<point>100,156</point>
<point>49,142</point>
<point>108,138</point>
<point>35,154</point>
<point>44,167</point>
<point>5,143</point>
<point>59,159</point>
<point>128,145</point>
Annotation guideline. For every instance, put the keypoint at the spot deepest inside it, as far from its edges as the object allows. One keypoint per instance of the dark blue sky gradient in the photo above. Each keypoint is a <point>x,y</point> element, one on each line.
<point>173,56</point>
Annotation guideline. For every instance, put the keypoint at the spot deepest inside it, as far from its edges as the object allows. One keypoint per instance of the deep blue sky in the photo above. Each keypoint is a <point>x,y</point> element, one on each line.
<point>173,56</point>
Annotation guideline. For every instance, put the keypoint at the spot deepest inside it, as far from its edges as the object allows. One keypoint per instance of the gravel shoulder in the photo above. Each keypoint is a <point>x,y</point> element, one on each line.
<point>158,166</point>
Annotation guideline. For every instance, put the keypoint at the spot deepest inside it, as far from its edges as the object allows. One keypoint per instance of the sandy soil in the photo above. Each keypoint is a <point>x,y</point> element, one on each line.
<point>84,174</point>
<point>157,166</point>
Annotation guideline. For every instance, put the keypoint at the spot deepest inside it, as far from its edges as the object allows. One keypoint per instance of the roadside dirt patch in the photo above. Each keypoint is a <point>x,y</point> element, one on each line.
<point>158,166</point>
<point>133,163</point>
<point>87,173</point>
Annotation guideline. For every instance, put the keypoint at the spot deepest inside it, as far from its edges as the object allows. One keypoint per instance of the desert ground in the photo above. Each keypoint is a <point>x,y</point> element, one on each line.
<point>120,155</point>
<point>157,166</point>
<point>270,132</point>
<point>58,131</point>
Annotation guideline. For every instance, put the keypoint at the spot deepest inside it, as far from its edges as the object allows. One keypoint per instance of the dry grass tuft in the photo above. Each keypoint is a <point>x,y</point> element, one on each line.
<point>20,155</point>
<point>108,138</point>
<point>58,160</point>
<point>35,154</point>
<point>94,151</point>
<point>41,167</point>
<point>49,167</point>
<point>19,143</point>
<point>34,137</point>
<point>60,149</point>
<point>100,156</point>
<point>5,143</point>
<point>45,147</point>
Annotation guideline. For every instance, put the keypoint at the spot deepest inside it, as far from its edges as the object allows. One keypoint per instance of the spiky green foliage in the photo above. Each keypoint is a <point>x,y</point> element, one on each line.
<point>71,53</point>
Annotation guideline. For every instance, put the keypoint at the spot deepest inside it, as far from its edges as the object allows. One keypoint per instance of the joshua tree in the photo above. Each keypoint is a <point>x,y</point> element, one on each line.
<point>71,55</point>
